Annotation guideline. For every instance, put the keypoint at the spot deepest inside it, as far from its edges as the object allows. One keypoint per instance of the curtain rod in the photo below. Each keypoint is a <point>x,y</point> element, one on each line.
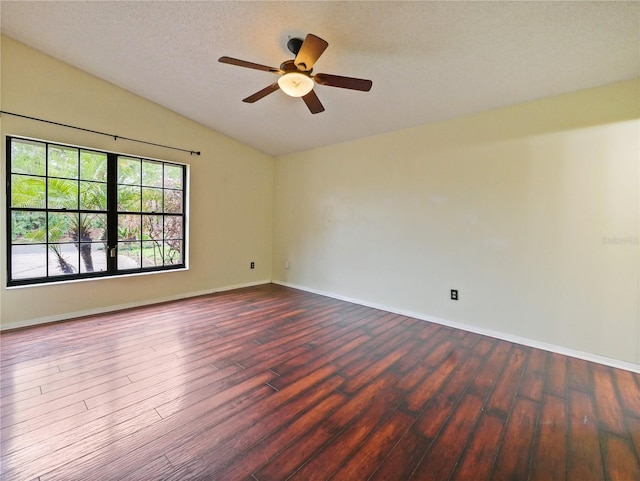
<point>115,137</point>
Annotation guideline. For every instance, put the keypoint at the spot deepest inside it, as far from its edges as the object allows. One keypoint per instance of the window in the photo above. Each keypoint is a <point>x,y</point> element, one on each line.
<point>77,213</point>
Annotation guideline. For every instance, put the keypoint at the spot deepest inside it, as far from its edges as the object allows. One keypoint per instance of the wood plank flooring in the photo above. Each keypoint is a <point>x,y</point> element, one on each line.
<point>271,383</point>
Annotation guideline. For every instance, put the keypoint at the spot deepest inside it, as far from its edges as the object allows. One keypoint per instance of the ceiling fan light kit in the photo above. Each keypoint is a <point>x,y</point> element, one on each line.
<point>295,84</point>
<point>295,75</point>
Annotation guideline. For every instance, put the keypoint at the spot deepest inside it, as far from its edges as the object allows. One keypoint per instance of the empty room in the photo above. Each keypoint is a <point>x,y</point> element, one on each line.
<point>322,240</point>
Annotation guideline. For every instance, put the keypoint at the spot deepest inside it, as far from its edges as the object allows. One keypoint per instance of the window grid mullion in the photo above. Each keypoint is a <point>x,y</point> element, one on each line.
<point>46,206</point>
<point>112,212</point>
<point>78,234</point>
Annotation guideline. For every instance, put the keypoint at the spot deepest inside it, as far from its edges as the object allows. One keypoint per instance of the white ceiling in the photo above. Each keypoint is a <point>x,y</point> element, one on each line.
<point>429,61</point>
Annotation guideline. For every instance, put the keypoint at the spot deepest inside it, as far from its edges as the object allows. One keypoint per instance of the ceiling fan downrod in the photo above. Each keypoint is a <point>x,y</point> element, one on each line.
<point>294,45</point>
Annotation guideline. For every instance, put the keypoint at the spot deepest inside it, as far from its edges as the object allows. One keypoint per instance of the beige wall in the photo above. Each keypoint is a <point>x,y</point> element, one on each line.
<point>230,192</point>
<point>531,212</point>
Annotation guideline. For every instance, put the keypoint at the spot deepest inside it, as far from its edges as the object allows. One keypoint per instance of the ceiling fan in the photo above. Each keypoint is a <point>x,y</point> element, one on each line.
<point>295,75</point>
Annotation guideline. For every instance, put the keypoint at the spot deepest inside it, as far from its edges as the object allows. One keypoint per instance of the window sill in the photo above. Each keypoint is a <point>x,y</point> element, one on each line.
<point>94,279</point>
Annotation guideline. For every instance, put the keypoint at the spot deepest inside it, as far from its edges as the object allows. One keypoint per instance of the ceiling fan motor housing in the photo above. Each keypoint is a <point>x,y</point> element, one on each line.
<point>289,66</point>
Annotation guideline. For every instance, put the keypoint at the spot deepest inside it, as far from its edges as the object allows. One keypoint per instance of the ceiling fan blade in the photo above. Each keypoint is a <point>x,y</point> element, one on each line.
<point>343,82</point>
<point>313,102</point>
<point>262,93</point>
<point>244,63</point>
<point>310,51</point>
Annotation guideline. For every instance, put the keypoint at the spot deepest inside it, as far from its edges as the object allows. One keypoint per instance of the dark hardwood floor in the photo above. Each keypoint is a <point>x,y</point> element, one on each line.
<point>270,383</point>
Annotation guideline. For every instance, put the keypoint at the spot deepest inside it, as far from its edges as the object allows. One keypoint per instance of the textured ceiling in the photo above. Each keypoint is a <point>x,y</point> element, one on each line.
<point>429,61</point>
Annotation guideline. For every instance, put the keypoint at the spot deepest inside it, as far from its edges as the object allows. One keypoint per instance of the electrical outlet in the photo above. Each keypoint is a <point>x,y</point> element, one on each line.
<point>287,265</point>
<point>252,265</point>
<point>454,294</point>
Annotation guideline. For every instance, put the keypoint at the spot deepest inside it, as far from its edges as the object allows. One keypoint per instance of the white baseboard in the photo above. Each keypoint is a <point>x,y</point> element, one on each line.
<point>587,356</point>
<point>128,305</point>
